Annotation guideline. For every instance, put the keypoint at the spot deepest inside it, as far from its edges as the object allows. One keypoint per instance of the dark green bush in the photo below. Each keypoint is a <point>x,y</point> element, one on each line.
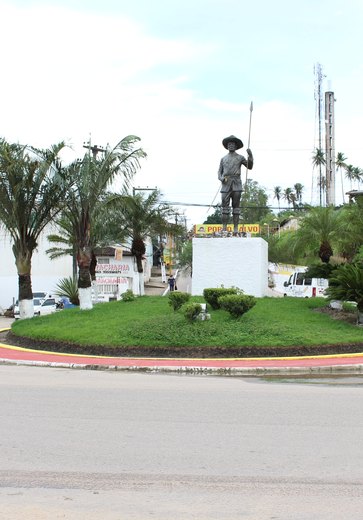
<point>237,304</point>
<point>191,310</point>
<point>212,295</point>
<point>128,296</point>
<point>177,299</point>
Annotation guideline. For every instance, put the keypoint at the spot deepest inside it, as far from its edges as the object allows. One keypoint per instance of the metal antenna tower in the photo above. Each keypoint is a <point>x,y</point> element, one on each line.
<point>318,71</point>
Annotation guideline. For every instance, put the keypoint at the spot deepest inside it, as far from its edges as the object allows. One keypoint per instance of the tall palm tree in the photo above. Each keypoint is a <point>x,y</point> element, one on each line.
<point>137,217</point>
<point>318,162</point>
<point>319,231</point>
<point>350,174</point>
<point>287,195</point>
<point>341,164</point>
<point>88,181</point>
<point>357,175</point>
<point>31,193</point>
<point>293,199</point>
<point>299,188</point>
<point>278,195</point>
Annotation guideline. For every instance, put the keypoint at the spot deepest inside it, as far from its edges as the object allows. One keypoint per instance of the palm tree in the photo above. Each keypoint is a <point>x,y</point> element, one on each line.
<point>137,217</point>
<point>287,195</point>
<point>293,199</point>
<point>350,174</point>
<point>299,188</point>
<point>318,162</point>
<point>88,180</point>
<point>346,284</point>
<point>277,195</point>
<point>340,163</point>
<point>65,241</point>
<point>357,175</point>
<point>319,231</point>
<point>31,188</point>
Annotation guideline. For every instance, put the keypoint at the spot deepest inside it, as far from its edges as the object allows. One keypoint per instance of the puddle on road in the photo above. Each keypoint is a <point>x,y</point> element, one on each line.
<point>319,379</point>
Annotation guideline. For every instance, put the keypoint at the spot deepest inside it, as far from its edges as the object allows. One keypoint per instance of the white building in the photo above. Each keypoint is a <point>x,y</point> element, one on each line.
<point>46,273</point>
<point>116,272</point>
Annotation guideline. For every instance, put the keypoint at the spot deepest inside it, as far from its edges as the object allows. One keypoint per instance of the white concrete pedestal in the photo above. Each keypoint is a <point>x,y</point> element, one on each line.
<point>231,262</point>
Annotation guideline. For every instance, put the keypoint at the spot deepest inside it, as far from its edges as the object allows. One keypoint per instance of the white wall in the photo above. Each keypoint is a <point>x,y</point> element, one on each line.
<point>231,262</point>
<point>46,273</point>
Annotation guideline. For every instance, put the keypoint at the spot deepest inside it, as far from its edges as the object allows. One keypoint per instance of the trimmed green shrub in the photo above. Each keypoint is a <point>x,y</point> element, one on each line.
<point>128,296</point>
<point>236,304</point>
<point>191,310</point>
<point>177,299</point>
<point>212,295</point>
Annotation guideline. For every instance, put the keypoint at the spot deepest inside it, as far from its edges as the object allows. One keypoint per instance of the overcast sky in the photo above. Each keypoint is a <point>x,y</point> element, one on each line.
<point>181,75</point>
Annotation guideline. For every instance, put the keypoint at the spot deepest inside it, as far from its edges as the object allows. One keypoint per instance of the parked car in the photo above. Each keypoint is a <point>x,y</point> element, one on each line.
<point>41,307</point>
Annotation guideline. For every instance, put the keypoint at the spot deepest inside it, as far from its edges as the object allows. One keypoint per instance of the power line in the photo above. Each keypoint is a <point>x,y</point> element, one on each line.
<point>218,205</point>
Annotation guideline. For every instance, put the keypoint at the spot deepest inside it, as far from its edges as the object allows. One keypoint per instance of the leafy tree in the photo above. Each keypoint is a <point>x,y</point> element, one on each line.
<point>186,255</point>
<point>281,249</point>
<point>31,193</point>
<point>88,181</point>
<point>350,241</point>
<point>254,203</point>
<point>215,217</point>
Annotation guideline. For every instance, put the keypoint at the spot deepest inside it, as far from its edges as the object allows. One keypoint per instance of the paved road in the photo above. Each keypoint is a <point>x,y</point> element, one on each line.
<point>100,445</point>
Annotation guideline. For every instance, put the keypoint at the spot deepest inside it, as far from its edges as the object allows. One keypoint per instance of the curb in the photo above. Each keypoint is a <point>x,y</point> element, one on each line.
<point>337,364</point>
<point>185,370</point>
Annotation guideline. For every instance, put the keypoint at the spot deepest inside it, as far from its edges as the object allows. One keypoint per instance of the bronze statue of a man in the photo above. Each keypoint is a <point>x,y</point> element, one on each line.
<point>229,174</point>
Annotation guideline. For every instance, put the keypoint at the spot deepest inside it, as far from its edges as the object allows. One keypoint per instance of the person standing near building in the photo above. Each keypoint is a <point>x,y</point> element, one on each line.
<point>171,282</point>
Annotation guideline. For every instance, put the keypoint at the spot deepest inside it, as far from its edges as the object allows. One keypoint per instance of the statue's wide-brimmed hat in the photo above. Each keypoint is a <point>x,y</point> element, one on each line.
<point>232,139</point>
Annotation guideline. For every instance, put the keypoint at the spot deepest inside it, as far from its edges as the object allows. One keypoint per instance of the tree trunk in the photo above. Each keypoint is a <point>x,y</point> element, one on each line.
<point>26,306</point>
<point>84,278</point>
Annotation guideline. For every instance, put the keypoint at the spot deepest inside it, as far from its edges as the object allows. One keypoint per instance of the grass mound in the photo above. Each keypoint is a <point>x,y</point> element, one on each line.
<point>148,326</point>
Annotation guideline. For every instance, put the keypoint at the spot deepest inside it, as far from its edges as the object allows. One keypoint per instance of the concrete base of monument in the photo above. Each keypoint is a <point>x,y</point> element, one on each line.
<point>230,262</point>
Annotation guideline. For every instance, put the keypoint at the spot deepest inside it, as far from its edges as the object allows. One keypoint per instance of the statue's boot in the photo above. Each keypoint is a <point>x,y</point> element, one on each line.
<point>225,218</point>
<point>235,224</point>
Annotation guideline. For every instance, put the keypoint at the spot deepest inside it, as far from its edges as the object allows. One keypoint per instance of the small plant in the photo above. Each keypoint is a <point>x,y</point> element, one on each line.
<point>177,299</point>
<point>191,310</point>
<point>128,296</point>
<point>212,295</point>
<point>346,284</point>
<point>236,304</point>
<point>68,287</point>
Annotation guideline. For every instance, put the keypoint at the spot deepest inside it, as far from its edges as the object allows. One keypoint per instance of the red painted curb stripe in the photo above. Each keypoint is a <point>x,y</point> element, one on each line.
<point>23,355</point>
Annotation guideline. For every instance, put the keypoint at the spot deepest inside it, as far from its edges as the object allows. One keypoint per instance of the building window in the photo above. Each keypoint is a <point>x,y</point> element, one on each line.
<point>103,260</point>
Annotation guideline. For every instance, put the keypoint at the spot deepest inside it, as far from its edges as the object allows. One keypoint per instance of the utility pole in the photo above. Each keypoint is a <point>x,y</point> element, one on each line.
<point>94,149</point>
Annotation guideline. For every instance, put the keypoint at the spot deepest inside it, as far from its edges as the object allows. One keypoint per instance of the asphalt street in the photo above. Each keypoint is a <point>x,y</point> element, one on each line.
<point>109,445</point>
